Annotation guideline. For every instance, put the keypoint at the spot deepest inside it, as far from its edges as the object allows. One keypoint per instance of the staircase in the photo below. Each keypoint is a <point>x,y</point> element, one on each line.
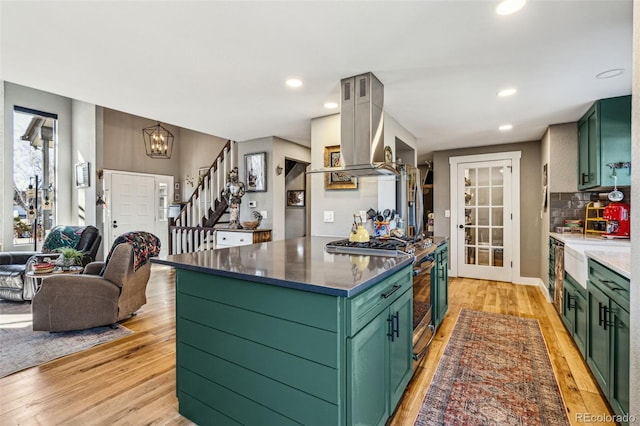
<point>193,229</point>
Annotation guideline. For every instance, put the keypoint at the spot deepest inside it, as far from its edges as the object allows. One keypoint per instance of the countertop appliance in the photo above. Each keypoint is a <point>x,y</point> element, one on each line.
<point>618,218</point>
<point>422,249</point>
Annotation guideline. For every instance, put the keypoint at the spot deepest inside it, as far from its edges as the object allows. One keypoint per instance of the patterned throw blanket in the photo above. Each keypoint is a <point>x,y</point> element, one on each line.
<point>144,245</point>
<point>62,236</point>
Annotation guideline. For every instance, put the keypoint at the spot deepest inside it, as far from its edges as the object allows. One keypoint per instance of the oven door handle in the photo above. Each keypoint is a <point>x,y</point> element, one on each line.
<point>419,355</point>
<point>420,271</point>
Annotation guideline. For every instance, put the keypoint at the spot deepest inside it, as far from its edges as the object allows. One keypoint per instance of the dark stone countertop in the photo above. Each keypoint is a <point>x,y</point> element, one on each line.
<point>299,263</point>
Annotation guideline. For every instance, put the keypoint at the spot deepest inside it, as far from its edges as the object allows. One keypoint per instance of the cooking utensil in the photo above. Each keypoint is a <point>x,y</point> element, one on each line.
<point>371,214</point>
<point>386,213</point>
<point>615,195</point>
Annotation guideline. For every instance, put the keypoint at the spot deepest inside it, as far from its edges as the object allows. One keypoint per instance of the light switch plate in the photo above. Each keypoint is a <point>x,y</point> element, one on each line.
<point>263,213</point>
<point>252,204</point>
<point>447,213</point>
<point>328,216</point>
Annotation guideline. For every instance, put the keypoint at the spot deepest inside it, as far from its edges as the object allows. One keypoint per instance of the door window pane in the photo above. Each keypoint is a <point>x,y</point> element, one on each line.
<point>483,176</point>
<point>497,177</point>
<point>483,216</point>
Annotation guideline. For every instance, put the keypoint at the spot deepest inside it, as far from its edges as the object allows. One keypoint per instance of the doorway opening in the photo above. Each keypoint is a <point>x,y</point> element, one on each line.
<point>296,199</point>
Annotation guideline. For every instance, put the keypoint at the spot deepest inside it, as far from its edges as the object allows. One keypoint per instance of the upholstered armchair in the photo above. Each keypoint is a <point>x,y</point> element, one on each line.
<point>106,292</point>
<point>14,285</point>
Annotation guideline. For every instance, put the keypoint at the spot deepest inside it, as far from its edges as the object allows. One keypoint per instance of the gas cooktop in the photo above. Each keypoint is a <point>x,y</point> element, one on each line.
<point>378,247</point>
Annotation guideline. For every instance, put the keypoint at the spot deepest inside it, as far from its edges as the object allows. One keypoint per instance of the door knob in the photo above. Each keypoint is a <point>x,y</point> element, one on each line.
<point>461,226</point>
<point>115,224</point>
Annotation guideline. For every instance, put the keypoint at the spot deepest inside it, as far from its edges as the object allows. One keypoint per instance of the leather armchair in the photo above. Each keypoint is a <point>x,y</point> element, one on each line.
<point>14,285</point>
<point>104,294</point>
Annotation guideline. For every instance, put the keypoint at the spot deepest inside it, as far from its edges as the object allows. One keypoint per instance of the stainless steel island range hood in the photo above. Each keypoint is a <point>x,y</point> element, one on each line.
<point>362,128</point>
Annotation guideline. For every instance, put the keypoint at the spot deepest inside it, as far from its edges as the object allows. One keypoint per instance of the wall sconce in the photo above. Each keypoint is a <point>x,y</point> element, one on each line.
<point>278,169</point>
<point>99,200</point>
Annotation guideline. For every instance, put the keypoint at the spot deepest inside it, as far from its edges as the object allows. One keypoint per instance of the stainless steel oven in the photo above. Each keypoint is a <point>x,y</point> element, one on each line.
<point>422,250</point>
<point>423,328</point>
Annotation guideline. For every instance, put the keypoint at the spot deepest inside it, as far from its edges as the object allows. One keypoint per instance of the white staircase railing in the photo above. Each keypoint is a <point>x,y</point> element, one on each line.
<point>193,228</point>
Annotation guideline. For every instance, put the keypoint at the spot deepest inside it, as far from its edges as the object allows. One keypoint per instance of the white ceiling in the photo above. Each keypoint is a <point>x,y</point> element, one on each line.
<point>219,67</point>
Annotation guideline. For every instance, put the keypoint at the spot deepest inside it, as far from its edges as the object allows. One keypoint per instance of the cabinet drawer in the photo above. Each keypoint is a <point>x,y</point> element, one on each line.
<point>362,308</point>
<point>614,285</point>
<point>228,238</point>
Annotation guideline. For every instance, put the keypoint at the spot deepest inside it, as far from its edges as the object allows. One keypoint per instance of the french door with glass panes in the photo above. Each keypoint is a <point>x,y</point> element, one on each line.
<point>484,220</point>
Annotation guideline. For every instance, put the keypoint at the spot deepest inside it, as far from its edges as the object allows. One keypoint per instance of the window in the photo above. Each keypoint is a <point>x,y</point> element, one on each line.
<point>34,159</point>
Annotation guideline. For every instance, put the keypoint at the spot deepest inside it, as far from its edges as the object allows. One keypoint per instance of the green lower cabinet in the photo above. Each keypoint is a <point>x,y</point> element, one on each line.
<point>250,353</point>
<point>574,312</point>
<point>440,284</point>
<point>598,337</point>
<point>608,334</point>
<point>619,395</point>
<point>380,364</point>
<point>367,381</point>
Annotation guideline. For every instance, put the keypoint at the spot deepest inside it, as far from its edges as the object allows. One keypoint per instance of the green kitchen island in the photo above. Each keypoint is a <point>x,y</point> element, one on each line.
<point>283,333</point>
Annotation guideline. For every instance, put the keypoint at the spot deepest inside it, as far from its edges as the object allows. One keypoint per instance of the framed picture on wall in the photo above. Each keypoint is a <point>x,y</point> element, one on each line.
<point>255,170</point>
<point>82,175</point>
<point>336,180</point>
<point>295,198</point>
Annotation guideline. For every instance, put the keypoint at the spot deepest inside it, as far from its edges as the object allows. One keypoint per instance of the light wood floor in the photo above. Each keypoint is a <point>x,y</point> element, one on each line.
<point>132,381</point>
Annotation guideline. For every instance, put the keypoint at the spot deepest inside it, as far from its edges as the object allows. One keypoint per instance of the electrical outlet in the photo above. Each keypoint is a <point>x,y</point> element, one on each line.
<point>263,213</point>
<point>363,215</point>
<point>328,216</point>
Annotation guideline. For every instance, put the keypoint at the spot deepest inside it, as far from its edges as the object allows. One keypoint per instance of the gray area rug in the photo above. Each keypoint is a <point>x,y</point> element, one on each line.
<point>21,347</point>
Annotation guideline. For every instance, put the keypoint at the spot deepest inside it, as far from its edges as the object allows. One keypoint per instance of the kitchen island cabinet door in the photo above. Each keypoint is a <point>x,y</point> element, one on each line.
<point>400,348</point>
<point>367,378</point>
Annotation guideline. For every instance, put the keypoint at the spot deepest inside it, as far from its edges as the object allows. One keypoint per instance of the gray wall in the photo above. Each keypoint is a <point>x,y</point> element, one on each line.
<point>124,146</point>
<point>83,129</point>
<point>559,150</point>
<point>273,201</point>
<point>43,101</point>
<point>530,198</point>
<point>196,150</point>
<point>372,192</point>
<point>635,217</point>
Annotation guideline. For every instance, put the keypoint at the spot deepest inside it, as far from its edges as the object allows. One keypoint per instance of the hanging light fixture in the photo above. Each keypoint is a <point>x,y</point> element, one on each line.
<point>158,141</point>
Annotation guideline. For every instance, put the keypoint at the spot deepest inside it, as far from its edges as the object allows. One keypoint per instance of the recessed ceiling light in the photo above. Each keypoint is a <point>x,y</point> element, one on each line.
<point>507,7</point>
<point>330,105</point>
<point>505,127</point>
<point>610,73</point>
<point>507,92</point>
<point>294,82</point>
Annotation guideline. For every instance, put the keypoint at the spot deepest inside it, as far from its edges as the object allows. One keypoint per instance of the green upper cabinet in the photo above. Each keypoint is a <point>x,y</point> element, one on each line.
<point>604,137</point>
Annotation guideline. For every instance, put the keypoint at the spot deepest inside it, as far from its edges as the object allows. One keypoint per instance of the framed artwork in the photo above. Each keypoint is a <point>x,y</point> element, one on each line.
<point>255,171</point>
<point>82,175</point>
<point>295,198</point>
<point>336,180</point>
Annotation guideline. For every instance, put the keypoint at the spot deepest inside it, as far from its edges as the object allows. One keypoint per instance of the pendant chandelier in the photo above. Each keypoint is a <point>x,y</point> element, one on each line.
<point>158,141</point>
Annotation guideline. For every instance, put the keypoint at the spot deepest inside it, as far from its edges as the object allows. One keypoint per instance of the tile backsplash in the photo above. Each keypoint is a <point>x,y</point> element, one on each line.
<point>572,205</point>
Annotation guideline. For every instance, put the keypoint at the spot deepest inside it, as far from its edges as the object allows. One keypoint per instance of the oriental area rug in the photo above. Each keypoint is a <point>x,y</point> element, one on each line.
<point>21,347</point>
<point>495,370</point>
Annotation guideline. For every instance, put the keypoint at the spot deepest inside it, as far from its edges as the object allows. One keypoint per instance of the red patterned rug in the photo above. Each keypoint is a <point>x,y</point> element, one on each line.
<point>495,370</point>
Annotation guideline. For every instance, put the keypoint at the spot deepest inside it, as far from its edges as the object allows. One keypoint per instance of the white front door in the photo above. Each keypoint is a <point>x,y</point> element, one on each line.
<point>132,204</point>
<point>484,219</point>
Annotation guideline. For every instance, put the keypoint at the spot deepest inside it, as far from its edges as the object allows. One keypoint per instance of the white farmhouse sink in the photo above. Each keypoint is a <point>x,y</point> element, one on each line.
<point>575,261</point>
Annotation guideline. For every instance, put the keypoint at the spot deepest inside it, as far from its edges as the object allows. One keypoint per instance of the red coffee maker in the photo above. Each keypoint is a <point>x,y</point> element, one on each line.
<point>618,219</point>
